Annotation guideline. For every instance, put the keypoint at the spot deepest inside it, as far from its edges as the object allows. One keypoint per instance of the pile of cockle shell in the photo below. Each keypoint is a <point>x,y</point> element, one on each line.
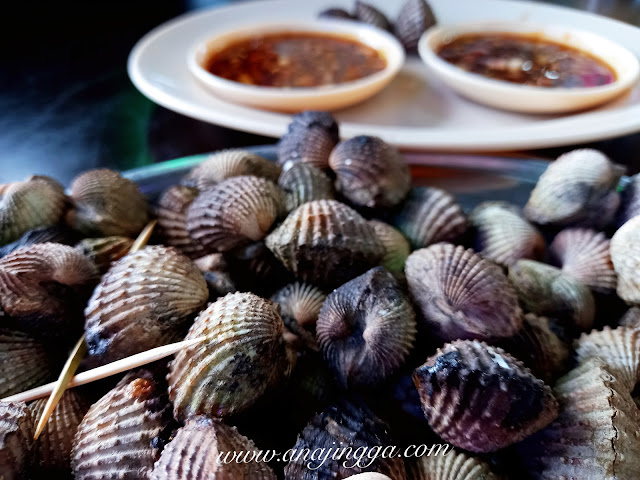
<point>336,306</point>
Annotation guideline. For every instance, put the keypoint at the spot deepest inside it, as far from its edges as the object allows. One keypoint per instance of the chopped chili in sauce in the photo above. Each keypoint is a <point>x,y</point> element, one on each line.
<point>526,59</point>
<point>295,60</point>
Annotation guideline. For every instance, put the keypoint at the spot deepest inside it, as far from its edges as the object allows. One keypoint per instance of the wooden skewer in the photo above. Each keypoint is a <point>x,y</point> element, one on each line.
<point>113,368</point>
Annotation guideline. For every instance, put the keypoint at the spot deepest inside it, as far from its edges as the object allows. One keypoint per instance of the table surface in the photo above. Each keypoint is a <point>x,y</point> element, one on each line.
<point>68,105</point>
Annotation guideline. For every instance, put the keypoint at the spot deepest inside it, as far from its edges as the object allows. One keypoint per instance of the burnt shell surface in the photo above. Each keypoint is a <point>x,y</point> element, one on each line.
<point>23,362</point>
<point>16,440</point>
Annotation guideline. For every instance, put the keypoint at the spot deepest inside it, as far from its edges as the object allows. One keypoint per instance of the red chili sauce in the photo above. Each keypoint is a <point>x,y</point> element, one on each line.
<point>295,60</point>
<point>526,59</point>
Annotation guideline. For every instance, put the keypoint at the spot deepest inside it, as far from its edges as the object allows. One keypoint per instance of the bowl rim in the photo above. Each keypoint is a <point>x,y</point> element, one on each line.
<point>624,79</point>
<point>387,44</point>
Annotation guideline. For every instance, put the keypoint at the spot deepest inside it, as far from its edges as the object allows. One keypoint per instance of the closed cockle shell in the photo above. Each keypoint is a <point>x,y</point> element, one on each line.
<point>545,290</point>
<point>367,13</point>
<point>231,163</point>
<point>326,243</point>
<point>244,356</point>
<point>309,139</point>
<point>366,329</point>
<point>414,18</point>
<point>431,215</point>
<point>396,246</point>
<point>584,254</point>
<point>625,255</point>
<point>37,201</point>
<point>450,464</point>
<point>369,172</point>
<point>631,318</point>
<point>300,305</point>
<point>23,362</point>
<point>578,189</point>
<point>596,435</point>
<point>461,294</point>
<point>16,440</point>
<point>335,13</point>
<point>53,234</point>
<point>480,398</point>
<point>234,213</point>
<point>107,204</point>
<point>171,212</point>
<point>143,301</point>
<point>503,234</point>
<point>345,424</point>
<point>629,201</point>
<point>122,434</point>
<point>302,183</point>
<point>104,251</point>
<point>54,444</point>
<point>43,287</point>
<point>206,449</point>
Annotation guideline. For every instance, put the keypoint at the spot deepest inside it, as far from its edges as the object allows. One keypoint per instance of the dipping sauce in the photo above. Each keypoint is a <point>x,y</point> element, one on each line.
<point>295,60</point>
<point>526,59</point>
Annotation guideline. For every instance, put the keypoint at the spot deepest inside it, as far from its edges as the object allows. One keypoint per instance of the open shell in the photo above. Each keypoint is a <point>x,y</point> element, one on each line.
<point>310,138</point>
<point>23,362</point>
<point>303,183</point>
<point>625,255</point>
<point>480,398</point>
<point>414,18</point>
<point>451,464</point>
<point>369,14</point>
<point>461,294</point>
<point>396,246</point>
<point>16,440</point>
<point>104,251</point>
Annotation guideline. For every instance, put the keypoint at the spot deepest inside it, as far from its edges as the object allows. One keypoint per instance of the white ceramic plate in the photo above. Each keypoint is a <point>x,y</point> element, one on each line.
<point>416,111</point>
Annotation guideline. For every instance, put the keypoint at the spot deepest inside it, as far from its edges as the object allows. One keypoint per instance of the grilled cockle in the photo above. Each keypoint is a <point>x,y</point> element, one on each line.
<point>43,288</point>
<point>414,18</point>
<point>431,215</point>
<point>231,163</point>
<point>629,201</point>
<point>106,204</point>
<point>53,446</point>
<point>310,138</point>
<point>234,213</point>
<point>207,449</point>
<point>104,251</point>
<point>122,434</point>
<point>503,234</point>
<point>461,294</point>
<point>367,13</point>
<point>326,243</point>
<point>625,255</point>
<point>450,464</point>
<point>38,201</point>
<point>480,398</point>
<point>303,183</point>
<point>171,213</point>
<point>366,329</point>
<point>345,426</point>
<point>584,254</point>
<point>370,173</point>
<point>396,246</point>
<point>53,234</point>
<point>16,440</point>
<point>23,362</point>
<point>578,189</point>
<point>143,301</point>
<point>243,356</point>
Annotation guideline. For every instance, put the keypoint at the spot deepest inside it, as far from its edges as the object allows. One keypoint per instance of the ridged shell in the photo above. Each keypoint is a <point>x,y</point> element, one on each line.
<point>234,213</point>
<point>303,183</point>
<point>54,444</point>
<point>480,398</point>
<point>54,234</point>
<point>16,440</point>
<point>300,305</point>
<point>451,464</point>
<point>366,329</point>
<point>629,201</point>
<point>369,14</point>
<point>631,318</point>
<point>171,212</point>
<point>414,18</point>
<point>396,246</point>
<point>122,434</point>
<point>625,255</point>
<point>369,172</point>
<point>244,356</point>
<point>578,189</point>
<point>142,302</point>
<point>584,255</point>
<point>461,294</point>
<point>231,163</point>
<point>596,435</point>
<point>504,235</point>
<point>204,449</point>
<point>335,13</point>
<point>23,362</point>
<point>42,287</point>
<point>431,215</point>
<point>545,290</point>
<point>339,426</point>
<point>325,243</point>
<point>36,202</point>
<point>105,250</point>
<point>309,139</point>
<point>106,204</point>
